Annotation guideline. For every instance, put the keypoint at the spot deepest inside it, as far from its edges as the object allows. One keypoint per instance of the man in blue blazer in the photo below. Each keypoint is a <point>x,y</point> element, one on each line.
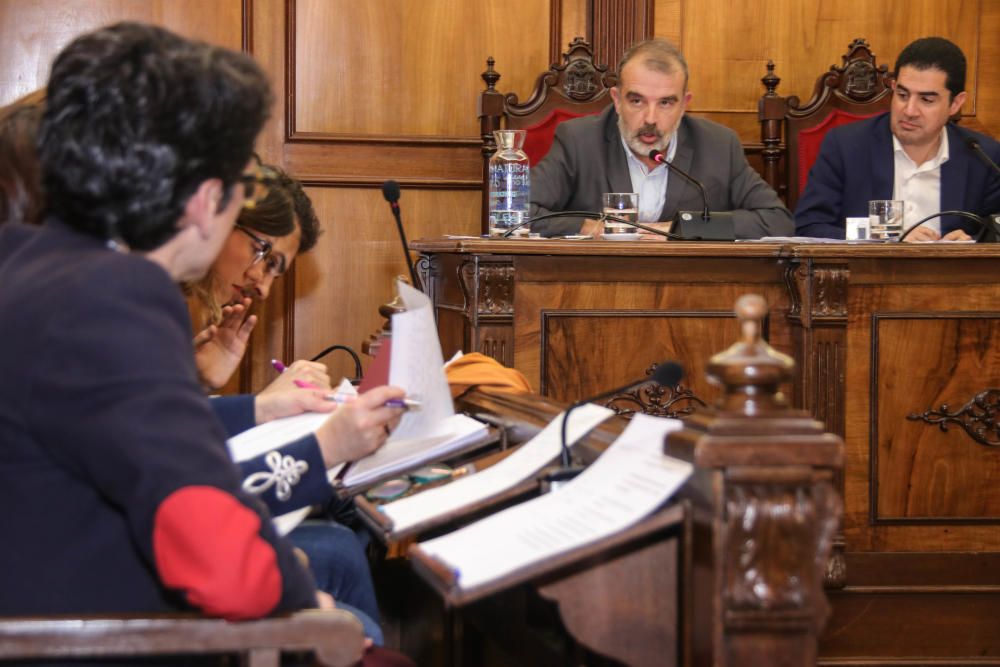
<point>911,153</point>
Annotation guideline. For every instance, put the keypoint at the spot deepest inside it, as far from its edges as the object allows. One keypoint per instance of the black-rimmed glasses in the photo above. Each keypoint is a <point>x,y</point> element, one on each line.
<point>262,252</point>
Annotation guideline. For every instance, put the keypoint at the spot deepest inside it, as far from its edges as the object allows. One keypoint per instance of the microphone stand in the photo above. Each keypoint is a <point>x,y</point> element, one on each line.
<point>594,215</point>
<point>668,373</point>
<point>983,226</point>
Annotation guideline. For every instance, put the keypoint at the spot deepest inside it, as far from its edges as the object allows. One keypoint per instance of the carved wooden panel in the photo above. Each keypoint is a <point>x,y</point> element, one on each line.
<point>627,343</point>
<point>623,23</point>
<point>919,471</point>
<point>802,514</point>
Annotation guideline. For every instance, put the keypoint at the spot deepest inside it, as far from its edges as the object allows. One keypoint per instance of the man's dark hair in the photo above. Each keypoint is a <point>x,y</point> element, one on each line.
<point>939,53</point>
<point>136,119</point>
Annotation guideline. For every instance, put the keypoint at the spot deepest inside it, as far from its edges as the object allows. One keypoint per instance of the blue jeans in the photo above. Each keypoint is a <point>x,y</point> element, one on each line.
<point>339,564</point>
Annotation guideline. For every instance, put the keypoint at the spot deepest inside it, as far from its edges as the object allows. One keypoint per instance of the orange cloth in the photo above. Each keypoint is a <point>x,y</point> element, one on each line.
<point>475,369</point>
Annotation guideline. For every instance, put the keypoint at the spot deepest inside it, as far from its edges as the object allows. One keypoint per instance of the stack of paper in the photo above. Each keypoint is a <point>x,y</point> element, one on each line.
<point>526,461</point>
<point>630,480</point>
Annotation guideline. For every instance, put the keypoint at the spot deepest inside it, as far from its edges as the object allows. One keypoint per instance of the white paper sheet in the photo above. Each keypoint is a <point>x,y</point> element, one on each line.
<point>417,365</point>
<point>631,479</point>
<point>496,479</point>
<point>401,454</point>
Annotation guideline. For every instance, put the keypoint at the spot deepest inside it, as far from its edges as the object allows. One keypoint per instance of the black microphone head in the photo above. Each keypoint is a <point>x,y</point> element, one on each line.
<point>657,156</point>
<point>390,190</point>
<point>668,374</point>
<point>972,143</point>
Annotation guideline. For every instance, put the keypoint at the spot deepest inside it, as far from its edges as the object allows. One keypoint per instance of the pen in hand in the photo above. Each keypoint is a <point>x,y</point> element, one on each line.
<point>278,366</point>
<point>338,397</point>
<point>405,403</point>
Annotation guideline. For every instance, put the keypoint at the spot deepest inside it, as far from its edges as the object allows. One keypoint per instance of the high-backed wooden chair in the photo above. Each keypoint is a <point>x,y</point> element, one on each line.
<point>577,87</point>
<point>335,637</point>
<point>792,132</point>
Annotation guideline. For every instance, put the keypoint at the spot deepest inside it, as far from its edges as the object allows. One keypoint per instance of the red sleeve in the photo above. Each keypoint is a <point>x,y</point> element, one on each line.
<point>208,545</point>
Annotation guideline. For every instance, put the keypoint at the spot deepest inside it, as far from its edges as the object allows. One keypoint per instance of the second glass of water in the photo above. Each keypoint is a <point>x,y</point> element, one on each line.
<point>624,205</point>
<point>885,219</point>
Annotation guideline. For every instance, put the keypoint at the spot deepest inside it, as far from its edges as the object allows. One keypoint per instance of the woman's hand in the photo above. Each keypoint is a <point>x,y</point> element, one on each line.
<point>219,348</point>
<point>359,427</point>
<point>311,372</point>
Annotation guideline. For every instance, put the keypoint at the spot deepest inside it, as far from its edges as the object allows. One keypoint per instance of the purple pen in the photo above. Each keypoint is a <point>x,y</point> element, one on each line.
<point>405,403</point>
<point>278,366</point>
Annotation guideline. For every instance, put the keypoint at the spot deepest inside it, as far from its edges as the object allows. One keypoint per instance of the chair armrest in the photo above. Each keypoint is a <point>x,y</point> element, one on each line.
<point>335,636</point>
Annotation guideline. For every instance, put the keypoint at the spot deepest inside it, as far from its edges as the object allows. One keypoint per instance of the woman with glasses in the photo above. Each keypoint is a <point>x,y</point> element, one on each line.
<point>277,224</point>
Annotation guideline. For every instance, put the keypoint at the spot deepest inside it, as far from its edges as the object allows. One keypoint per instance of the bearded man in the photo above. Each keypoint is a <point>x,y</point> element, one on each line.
<point>610,152</point>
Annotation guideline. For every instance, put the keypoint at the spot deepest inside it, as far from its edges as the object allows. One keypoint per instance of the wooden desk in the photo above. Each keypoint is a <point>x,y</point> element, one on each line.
<point>880,333</point>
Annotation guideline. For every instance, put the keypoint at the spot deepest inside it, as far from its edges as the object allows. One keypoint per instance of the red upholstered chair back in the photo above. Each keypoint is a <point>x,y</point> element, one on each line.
<point>577,87</point>
<point>792,132</point>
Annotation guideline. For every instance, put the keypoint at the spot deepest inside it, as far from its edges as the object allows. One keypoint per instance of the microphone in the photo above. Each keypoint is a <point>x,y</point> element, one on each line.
<point>984,227</point>
<point>990,226</point>
<point>590,214</point>
<point>718,226</point>
<point>974,146</point>
<point>668,374</point>
<point>390,190</point>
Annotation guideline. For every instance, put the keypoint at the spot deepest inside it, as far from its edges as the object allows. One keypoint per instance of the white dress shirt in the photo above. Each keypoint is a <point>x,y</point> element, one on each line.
<point>650,184</point>
<point>919,187</point>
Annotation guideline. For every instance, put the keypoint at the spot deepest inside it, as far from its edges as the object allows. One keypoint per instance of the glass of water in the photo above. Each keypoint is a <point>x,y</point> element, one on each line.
<point>623,205</point>
<point>885,219</point>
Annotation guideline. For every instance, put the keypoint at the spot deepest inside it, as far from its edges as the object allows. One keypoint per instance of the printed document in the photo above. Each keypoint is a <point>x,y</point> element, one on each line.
<point>628,482</point>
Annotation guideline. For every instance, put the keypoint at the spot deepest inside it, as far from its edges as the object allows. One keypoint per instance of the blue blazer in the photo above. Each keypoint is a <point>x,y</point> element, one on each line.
<point>855,165</point>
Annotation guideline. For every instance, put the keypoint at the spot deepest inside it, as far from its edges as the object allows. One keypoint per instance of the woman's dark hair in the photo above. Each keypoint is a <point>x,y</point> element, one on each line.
<point>20,181</point>
<point>305,215</point>
<point>273,215</point>
<point>285,206</point>
<point>136,119</point>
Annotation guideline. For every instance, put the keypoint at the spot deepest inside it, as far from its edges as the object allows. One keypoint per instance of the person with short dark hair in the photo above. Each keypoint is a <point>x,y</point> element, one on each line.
<point>114,472</point>
<point>912,153</point>
<point>610,153</point>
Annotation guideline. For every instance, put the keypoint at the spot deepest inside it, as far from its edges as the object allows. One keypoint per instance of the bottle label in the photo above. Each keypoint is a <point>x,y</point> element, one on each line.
<point>510,193</point>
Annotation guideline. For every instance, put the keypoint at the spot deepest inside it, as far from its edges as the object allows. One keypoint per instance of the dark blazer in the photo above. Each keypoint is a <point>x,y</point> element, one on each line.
<point>115,482</point>
<point>587,159</point>
<point>855,165</point>
<point>312,487</point>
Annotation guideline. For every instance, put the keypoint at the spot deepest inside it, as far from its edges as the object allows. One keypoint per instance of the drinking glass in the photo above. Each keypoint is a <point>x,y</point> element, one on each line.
<point>885,219</point>
<point>623,205</point>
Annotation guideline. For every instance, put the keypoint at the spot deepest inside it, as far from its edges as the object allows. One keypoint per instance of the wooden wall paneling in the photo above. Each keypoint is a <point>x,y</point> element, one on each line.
<point>987,69</point>
<point>617,25</point>
<point>805,39</point>
<point>668,20</point>
<point>33,33</point>
<point>340,285</point>
<point>409,70</point>
<point>575,21</point>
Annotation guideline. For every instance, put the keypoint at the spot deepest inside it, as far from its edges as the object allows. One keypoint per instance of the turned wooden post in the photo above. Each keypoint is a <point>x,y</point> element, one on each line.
<point>765,481</point>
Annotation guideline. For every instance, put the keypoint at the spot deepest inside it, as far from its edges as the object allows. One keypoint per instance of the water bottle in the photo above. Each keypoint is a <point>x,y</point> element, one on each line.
<point>510,184</point>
